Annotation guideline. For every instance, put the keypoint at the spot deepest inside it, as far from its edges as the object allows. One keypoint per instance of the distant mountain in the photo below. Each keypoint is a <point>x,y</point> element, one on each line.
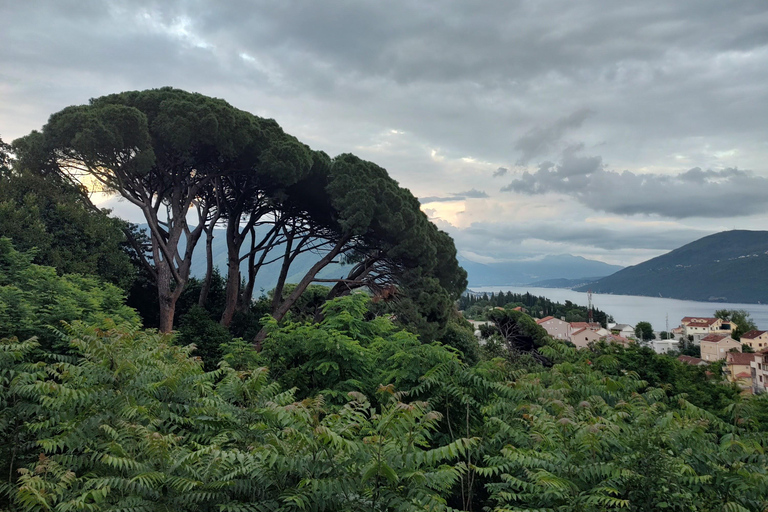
<point>731,266</point>
<point>509,273</point>
<point>564,283</point>
<point>267,277</point>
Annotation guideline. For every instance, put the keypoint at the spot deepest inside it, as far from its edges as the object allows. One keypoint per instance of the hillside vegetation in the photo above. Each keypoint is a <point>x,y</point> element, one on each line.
<point>726,267</point>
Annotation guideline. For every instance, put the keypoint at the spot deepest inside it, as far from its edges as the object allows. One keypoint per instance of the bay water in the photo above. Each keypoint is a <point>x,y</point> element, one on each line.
<point>630,309</point>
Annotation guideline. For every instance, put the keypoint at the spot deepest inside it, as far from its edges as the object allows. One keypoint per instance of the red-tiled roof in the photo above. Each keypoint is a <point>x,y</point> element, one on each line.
<point>743,375</point>
<point>690,360</point>
<point>751,335</point>
<point>585,325</point>
<point>542,320</point>
<point>715,338</point>
<point>740,358</point>
<point>615,339</point>
<point>577,331</point>
<point>698,322</point>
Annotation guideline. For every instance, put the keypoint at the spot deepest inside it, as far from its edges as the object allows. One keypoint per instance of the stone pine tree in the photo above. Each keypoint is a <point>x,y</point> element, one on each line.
<point>160,150</point>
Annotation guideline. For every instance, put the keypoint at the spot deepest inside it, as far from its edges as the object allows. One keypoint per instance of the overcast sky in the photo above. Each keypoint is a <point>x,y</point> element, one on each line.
<point>611,130</point>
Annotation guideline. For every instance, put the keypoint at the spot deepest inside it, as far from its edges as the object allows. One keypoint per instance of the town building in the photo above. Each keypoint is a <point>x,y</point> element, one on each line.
<point>759,372</point>
<point>738,368</point>
<point>558,329</point>
<point>615,338</point>
<point>693,361</point>
<point>583,337</point>
<point>758,340</point>
<point>714,347</point>
<point>624,330</point>
<point>700,327</point>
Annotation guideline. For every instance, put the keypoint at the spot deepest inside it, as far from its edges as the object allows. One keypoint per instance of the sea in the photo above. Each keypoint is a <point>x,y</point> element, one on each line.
<point>630,309</point>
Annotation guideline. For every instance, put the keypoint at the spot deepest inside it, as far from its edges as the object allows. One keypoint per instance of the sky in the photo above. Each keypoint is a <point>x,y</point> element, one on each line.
<point>611,130</point>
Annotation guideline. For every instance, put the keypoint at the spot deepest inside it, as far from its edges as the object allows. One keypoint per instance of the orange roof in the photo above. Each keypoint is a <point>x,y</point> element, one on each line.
<point>698,322</point>
<point>615,339</point>
<point>751,335</point>
<point>542,320</point>
<point>690,360</point>
<point>585,325</point>
<point>740,358</point>
<point>744,375</point>
<point>714,338</point>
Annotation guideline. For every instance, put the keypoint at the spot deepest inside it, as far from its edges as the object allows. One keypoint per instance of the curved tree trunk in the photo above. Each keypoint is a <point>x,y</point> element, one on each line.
<point>286,305</point>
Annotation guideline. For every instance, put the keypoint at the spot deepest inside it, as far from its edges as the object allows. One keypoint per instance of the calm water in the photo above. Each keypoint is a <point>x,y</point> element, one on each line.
<point>630,309</point>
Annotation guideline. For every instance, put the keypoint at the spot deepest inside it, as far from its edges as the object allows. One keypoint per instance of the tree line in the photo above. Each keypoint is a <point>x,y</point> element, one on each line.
<point>474,305</point>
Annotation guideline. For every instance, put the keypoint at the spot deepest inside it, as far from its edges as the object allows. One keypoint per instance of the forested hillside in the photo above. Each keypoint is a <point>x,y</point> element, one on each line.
<point>727,267</point>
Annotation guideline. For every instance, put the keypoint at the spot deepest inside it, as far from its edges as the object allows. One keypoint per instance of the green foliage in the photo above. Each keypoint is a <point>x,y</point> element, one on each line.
<point>130,420</point>
<point>134,423</point>
<point>34,298</point>
<point>703,386</point>
<point>475,306</point>
<point>207,335</point>
<point>348,351</point>
<point>740,317</point>
<point>519,330</point>
<point>460,335</point>
<point>48,215</point>
<point>644,331</point>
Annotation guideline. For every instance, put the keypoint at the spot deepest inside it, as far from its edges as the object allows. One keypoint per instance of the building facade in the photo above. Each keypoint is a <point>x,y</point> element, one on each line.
<point>758,340</point>
<point>715,347</point>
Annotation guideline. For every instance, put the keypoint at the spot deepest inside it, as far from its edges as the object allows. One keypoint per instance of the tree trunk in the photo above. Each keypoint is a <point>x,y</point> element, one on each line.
<point>233,290</point>
<point>345,286</point>
<point>286,305</point>
<point>206,288</point>
<point>165,297</point>
<point>278,293</point>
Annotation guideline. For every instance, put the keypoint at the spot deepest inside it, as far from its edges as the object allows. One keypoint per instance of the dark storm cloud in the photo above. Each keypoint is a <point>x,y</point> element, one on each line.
<point>694,193</point>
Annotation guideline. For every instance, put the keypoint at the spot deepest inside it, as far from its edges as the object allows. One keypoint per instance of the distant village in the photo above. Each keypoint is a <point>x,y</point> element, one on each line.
<point>744,366</point>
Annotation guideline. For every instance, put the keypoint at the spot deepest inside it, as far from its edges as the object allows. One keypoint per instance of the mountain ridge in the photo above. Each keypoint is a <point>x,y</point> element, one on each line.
<point>511,273</point>
<point>730,266</point>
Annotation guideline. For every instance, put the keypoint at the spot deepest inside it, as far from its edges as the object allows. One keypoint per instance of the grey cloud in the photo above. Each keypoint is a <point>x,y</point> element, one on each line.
<point>694,193</point>
<point>472,79</point>
<point>416,65</point>
<point>439,199</point>
<point>458,196</point>
<point>575,234</point>
<point>539,141</point>
<point>473,194</point>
